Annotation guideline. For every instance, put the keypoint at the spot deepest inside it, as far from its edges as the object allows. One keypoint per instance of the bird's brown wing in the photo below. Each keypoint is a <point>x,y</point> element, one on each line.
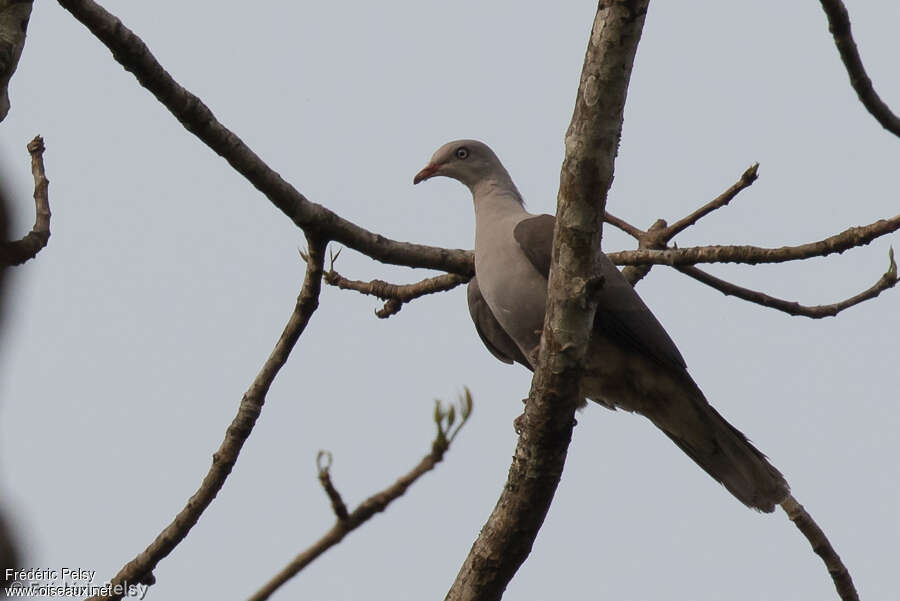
<point>621,314</point>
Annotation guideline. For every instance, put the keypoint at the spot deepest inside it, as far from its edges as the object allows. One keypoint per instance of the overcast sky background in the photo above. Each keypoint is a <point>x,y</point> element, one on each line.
<point>132,336</point>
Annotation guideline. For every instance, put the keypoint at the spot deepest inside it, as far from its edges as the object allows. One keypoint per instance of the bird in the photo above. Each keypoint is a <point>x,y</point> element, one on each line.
<point>631,362</point>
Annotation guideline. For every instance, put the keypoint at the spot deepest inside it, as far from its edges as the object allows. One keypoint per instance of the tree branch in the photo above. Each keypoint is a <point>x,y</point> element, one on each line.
<point>131,52</point>
<point>20,251</point>
<point>447,429</point>
<point>839,26</point>
<point>395,294</point>
<point>816,537</point>
<point>838,243</point>
<point>591,144</point>
<point>747,178</point>
<point>141,567</point>
<point>886,281</point>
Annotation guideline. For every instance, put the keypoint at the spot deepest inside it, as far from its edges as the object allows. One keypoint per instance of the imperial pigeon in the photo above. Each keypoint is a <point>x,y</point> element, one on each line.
<point>631,362</point>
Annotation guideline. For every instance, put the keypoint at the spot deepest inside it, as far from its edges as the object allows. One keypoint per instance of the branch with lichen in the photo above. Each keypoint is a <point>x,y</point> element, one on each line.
<point>19,251</point>
<point>346,522</point>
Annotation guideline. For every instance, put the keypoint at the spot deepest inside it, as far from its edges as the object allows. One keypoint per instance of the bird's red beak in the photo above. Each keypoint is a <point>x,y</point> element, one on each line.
<point>429,170</point>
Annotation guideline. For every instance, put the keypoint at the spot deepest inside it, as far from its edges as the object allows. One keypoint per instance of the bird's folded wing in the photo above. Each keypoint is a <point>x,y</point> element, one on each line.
<point>621,314</point>
<point>489,329</point>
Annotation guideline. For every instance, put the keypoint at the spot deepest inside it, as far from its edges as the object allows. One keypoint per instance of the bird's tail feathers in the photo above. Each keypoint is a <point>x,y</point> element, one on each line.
<point>725,454</point>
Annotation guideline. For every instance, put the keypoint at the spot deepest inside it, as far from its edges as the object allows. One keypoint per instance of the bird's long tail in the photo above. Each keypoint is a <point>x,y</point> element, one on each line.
<point>722,450</point>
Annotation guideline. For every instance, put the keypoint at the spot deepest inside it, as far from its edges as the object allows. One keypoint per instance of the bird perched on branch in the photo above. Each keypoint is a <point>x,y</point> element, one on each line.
<point>631,362</point>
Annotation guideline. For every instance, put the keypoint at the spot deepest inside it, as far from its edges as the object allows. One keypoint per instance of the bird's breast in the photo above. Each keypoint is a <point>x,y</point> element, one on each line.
<point>513,289</point>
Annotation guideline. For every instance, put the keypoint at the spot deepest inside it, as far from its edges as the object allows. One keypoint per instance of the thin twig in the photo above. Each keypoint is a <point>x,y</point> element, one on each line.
<point>886,281</point>
<point>623,225</point>
<point>447,427</point>
<point>820,545</point>
<point>747,178</point>
<point>395,295</point>
<point>19,251</point>
<point>140,568</point>
<point>839,26</point>
<point>337,503</point>
<point>131,52</point>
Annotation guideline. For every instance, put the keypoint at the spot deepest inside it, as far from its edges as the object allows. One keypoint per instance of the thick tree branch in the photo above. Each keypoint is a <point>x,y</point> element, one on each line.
<point>19,251</point>
<point>396,295</point>
<point>131,52</point>
<point>820,545</point>
<point>447,429</point>
<point>591,145</point>
<point>141,567</point>
<point>886,281</point>
<point>839,26</point>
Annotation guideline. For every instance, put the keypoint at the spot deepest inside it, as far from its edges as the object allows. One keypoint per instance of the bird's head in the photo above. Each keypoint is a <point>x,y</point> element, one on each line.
<point>467,161</point>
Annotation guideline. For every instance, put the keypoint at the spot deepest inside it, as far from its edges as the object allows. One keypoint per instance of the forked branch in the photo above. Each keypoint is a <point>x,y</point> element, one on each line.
<point>395,295</point>
<point>447,429</point>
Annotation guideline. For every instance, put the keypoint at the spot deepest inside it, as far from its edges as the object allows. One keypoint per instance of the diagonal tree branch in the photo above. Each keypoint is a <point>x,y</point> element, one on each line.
<point>447,429</point>
<point>839,26</point>
<point>591,145</point>
<point>131,52</point>
<point>747,178</point>
<point>820,545</point>
<point>20,251</point>
<point>140,569</point>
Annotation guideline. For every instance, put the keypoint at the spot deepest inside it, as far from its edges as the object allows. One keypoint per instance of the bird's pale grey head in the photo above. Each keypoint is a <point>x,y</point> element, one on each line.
<point>468,161</point>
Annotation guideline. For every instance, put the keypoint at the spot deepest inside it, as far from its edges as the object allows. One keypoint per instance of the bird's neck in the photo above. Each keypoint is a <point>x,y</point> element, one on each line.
<point>496,198</point>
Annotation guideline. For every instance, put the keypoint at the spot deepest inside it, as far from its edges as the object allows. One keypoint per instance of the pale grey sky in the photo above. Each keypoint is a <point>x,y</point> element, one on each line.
<point>168,278</point>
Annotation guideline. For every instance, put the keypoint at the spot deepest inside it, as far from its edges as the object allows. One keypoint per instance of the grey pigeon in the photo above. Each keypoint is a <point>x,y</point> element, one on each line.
<point>631,362</point>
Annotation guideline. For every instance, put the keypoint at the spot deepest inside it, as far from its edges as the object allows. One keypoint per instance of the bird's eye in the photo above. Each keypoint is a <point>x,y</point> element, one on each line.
<point>462,153</point>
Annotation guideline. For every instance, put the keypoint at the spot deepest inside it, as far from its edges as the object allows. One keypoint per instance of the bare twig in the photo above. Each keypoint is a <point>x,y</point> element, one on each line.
<point>140,568</point>
<point>888,280</point>
<point>839,26</point>
<point>591,142</point>
<point>623,225</point>
<point>395,294</point>
<point>337,503</point>
<point>131,52</point>
<point>820,545</point>
<point>747,178</point>
<point>19,251</point>
<point>849,238</point>
<point>447,428</point>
